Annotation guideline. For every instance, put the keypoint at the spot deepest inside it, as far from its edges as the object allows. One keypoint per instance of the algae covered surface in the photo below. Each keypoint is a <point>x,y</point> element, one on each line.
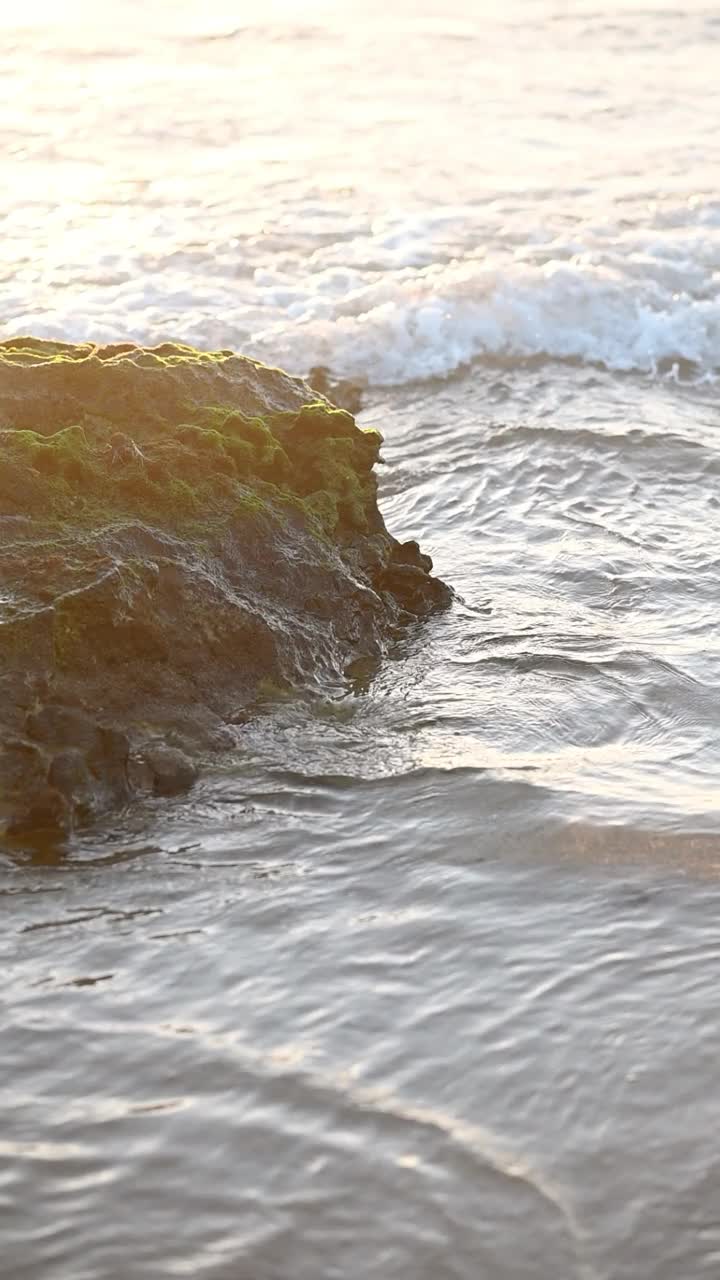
<point>177,527</point>
<point>112,433</point>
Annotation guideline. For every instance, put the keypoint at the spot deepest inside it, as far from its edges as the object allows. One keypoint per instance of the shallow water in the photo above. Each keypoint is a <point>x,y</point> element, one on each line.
<point>422,983</point>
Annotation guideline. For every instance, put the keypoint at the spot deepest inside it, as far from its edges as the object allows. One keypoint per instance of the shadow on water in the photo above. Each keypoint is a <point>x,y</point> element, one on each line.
<point>46,851</point>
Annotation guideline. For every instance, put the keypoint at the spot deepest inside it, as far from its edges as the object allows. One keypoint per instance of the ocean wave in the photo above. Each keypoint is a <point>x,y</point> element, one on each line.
<point>428,324</point>
<point>407,299</point>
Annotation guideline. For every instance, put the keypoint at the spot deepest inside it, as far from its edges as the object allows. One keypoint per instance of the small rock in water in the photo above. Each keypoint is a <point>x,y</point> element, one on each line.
<point>345,393</point>
<point>171,770</point>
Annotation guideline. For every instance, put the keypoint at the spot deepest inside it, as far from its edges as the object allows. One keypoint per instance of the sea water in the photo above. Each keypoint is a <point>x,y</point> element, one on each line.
<point>421,983</point>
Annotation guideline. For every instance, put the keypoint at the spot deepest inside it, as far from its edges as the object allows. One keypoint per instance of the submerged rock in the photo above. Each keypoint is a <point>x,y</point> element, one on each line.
<point>176,528</point>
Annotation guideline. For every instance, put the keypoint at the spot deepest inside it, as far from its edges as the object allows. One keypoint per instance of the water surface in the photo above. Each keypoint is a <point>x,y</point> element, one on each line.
<point>422,982</point>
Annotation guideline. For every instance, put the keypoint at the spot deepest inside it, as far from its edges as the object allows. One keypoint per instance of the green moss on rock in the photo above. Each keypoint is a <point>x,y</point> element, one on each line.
<point>186,460</point>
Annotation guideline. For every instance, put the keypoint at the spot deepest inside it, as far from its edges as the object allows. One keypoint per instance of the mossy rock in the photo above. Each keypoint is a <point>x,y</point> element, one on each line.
<point>178,461</point>
<point>180,532</point>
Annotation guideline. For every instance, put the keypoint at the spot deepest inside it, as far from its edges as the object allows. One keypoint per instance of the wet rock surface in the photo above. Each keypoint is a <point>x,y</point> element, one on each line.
<point>176,528</point>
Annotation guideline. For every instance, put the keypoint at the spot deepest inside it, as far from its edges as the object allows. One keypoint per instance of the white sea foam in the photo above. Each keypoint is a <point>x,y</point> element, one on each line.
<point>628,305</point>
<point>429,323</point>
<point>254,191</point>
